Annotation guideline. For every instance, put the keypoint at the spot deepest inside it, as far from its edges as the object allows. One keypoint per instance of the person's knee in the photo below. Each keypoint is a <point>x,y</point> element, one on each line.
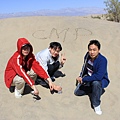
<point>19,85</point>
<point>32,74</point>
<point>77,93</point>
<point>21,82</point>
<point>96,83</point>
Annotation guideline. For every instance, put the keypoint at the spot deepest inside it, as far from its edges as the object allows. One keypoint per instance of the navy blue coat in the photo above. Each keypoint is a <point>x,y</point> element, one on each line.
<point>99,71</point>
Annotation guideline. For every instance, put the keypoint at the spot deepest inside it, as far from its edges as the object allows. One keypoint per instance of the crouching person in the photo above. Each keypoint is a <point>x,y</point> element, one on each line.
<point>94,76</point>
<point>23,68</point>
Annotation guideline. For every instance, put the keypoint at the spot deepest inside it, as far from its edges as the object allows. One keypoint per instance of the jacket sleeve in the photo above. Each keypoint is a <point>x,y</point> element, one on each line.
<point>39,70</point>
<point>20,71</point>
<point>99,70</point>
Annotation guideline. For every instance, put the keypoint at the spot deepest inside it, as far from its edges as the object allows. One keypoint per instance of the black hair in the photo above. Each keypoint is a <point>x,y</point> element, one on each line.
<point>26,45</point>
<point>95,42</point>
<point>55,45</point>
<point>29,45</point>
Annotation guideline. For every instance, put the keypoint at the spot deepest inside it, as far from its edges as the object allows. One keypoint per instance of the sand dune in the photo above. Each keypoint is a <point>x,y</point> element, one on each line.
<point>74,34</point>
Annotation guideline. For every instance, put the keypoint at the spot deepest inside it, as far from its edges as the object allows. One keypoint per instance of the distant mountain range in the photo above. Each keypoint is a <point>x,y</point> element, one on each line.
<point>61,12</point>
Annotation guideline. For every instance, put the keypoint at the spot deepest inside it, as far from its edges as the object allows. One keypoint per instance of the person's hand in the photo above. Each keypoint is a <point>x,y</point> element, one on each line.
<point>79,79</point>
<point>57,88</point>
<point>50,84</point>
<point>63,59</point>
<point>36,92</point>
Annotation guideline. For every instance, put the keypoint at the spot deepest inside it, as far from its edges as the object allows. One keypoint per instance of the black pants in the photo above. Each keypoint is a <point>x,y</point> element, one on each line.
<point>52,68</point>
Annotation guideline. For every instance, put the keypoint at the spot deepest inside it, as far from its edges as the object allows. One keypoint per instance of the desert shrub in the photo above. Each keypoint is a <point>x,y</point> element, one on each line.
<point>96,17</point>
<point>113,10</point>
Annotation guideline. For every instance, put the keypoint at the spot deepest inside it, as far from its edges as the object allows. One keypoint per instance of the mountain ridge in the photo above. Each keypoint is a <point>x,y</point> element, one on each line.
<point>60,12</point>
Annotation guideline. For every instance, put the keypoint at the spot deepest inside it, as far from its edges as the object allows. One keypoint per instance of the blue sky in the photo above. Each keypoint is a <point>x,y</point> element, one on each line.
<point>13,6</point>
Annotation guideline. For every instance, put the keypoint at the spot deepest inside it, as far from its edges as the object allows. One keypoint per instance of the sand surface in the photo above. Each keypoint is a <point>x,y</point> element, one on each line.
<point>74,34</point>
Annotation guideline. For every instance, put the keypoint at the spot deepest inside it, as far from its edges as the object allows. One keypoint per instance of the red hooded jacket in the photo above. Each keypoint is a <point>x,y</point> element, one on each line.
<point>15,65</point>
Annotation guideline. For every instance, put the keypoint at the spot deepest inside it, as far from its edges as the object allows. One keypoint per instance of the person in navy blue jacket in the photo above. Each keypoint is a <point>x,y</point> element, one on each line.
<point>94,76</point>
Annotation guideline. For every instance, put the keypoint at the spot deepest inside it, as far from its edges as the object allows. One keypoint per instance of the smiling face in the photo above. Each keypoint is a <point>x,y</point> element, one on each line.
<point>54,52</point>
<point>25,50</point>
<point>93,51</point>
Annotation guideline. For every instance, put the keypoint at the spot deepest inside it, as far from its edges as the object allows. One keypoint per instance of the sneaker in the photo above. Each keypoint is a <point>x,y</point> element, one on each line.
<point>17,94</point>
<point>98,110</point>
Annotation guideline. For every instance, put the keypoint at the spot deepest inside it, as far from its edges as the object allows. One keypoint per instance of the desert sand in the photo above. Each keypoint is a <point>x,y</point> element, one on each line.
<point>74,33</point>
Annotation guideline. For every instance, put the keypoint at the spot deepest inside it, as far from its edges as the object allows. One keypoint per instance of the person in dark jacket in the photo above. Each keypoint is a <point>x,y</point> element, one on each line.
<point>94,76</point>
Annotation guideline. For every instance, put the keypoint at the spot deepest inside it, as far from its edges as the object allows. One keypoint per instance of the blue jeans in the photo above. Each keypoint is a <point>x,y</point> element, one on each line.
<point>95,89</point>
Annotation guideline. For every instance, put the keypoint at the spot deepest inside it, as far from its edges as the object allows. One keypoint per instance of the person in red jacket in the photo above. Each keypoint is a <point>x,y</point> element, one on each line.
<point>23,68</point>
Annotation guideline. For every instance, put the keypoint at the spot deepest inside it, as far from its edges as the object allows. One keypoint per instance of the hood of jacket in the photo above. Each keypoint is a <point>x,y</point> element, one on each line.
<point>22,42</point>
